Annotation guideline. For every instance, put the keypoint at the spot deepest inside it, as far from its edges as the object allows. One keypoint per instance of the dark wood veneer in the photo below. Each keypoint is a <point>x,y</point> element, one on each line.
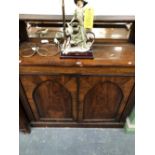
<point>58,92</point>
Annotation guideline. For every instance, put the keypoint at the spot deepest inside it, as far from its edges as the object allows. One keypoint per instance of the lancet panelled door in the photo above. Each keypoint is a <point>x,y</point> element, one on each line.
<point>51,98</point>
<point>103,98</point>
<point>66,98</point>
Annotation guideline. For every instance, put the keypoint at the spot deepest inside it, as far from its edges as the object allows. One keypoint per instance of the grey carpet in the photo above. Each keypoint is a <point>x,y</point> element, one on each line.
<point>76,141</point>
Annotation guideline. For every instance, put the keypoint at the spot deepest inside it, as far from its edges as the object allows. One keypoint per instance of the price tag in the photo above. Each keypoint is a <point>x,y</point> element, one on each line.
<point>88,18</point>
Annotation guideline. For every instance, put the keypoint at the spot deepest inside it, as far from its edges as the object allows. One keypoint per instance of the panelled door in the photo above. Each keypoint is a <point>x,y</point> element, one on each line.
<point>51,98</point>
<point>103,98</point>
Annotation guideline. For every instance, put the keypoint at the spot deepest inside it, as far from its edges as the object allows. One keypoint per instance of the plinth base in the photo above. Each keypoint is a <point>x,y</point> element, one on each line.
<point>77,55</point>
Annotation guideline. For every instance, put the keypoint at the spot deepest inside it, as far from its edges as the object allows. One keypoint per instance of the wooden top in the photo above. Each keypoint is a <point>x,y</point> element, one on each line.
<point>59,17</point>
<point>122,54</point>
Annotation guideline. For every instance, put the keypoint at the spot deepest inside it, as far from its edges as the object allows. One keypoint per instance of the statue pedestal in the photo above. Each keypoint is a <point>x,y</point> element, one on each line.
<point>77,55</point>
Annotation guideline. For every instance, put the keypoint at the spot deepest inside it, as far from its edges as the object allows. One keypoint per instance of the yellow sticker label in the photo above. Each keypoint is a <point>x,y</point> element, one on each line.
<point>88,18</point>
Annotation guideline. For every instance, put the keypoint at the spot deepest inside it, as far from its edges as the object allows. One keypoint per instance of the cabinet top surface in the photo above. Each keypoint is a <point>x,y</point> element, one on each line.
<point>122,54</point>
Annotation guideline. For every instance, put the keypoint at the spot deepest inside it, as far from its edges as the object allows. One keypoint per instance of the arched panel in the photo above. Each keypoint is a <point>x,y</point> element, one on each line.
<point>102,101</point>
<point>53,100</point>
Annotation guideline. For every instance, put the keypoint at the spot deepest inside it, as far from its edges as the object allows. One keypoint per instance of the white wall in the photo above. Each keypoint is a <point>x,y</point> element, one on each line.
<point>102,7</point>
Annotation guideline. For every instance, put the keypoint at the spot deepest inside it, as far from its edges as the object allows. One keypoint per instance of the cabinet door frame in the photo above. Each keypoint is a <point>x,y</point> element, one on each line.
<point>122,106</point>
<point>33,106</point>
<point>25,103</point>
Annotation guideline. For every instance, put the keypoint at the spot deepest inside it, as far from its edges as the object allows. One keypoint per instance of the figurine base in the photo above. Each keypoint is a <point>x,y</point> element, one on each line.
<point>77,55</point>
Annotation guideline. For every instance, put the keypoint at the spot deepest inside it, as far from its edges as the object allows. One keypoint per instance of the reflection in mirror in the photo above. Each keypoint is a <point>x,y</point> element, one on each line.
<point>113,31</point>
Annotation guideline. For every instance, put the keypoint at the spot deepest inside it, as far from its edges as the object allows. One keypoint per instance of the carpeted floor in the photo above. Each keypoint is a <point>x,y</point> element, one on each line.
<point>77,141</point>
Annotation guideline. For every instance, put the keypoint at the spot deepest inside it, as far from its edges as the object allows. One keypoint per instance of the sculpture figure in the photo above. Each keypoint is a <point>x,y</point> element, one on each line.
<point>77,40</point>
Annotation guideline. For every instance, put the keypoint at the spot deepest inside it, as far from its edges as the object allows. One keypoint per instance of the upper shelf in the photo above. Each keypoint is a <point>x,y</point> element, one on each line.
<point>68,17</point>
<point>106,28</point>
